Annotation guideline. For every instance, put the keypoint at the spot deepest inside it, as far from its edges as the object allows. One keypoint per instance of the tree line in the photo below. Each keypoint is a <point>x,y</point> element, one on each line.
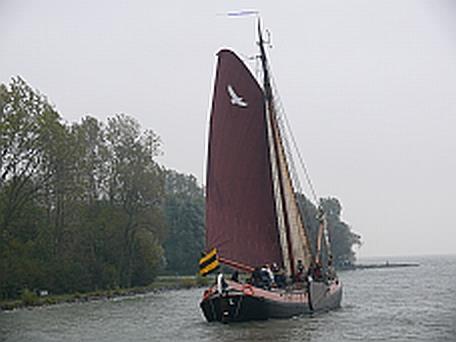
<point>80,204</point>
<point>341,238</point>
<point>86,206</point>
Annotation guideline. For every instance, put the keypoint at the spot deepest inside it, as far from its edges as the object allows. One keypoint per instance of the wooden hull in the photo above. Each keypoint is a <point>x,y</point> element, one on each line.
<point>246,303</point>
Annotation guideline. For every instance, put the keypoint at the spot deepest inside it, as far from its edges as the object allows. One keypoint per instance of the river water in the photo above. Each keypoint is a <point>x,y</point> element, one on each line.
<point>396,304</point>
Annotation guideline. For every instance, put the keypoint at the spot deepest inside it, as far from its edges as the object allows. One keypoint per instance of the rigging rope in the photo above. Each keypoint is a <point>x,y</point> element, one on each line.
<point>293,140</point>
<point>281,111</point>
<point>281,115</point>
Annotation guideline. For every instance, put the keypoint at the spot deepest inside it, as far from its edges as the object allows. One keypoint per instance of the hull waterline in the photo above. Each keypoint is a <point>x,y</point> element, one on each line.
<point>240,303</point>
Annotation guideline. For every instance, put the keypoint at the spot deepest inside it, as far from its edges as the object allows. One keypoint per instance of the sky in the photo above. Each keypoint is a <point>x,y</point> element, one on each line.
<point>368,87</point>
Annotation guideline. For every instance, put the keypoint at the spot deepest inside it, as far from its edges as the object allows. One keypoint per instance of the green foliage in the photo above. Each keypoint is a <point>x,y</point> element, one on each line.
<point>148,254</point>
<point>28,297</point>
<point>81,205</point>
<point>340,234</point>
<point>184,209</point>
<point>342,238</point>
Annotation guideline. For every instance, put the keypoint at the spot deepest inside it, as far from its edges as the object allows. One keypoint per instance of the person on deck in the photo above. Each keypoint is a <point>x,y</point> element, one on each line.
<point>221,283</point>
<point>270,273</point>
<point>266,276</point>
<point>310,273</point>
<point>299,277</point>
<point>279,276</point>
<point>331,272</point>
<point>257,279</point>
<point>317,272</point>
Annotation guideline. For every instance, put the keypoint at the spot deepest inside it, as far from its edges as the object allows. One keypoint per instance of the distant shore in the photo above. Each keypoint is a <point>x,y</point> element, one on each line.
<point>386,264</point>
<point>30,299</point>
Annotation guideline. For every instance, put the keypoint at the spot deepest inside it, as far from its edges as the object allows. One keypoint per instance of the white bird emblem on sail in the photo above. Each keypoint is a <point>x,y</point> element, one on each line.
<point>235,98</point>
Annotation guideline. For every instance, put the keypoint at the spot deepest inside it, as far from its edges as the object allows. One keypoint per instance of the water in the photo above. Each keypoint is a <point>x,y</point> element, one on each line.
<point>402,304</point>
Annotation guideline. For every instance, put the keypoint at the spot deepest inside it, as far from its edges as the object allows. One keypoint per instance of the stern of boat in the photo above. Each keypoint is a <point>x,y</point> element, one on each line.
<point>324,296</point>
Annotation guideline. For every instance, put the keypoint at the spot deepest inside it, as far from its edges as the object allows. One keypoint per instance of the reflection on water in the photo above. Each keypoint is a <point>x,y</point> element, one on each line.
<point>403,304</point>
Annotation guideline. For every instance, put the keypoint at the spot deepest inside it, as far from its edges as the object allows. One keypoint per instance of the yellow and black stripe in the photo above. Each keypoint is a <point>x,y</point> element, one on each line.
<point>209,263</point>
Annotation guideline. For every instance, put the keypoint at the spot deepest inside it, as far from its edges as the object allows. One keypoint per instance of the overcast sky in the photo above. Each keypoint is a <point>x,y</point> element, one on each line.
<point>368,86</point>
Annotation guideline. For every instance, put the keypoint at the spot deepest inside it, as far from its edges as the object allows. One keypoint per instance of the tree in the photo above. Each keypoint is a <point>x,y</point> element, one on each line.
<point>135,185</point>
<point>21,124</point>
<point>342,238</point>
<point>184,209</point>
<point>23,116</point>
<point>340,234</point>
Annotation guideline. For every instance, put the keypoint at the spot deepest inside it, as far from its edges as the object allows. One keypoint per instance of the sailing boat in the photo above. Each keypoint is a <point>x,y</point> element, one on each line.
<point>253,221</point>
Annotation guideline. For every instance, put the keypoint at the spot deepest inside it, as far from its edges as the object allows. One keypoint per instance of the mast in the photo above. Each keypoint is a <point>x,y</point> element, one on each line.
<point>286,244</point>
<point>296,245</point>
<point>264,64</point>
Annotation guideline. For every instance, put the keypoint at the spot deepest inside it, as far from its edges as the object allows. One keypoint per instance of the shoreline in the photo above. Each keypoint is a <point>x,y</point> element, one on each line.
<point>163,283</point>
<point>382,265</point>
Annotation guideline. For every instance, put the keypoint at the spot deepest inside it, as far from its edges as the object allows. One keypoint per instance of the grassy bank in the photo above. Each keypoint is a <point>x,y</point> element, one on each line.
<point>29,299</point>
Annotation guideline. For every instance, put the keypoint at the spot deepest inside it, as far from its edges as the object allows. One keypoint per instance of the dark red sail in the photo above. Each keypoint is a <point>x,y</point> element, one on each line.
<point>240,214</point>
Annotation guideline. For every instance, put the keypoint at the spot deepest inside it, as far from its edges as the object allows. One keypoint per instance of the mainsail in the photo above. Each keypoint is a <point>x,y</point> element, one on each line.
<point>241,219</point>
<point>252,216</point>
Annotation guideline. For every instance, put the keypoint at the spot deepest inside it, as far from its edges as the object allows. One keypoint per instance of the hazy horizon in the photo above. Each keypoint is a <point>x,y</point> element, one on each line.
<point>367,86</point>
